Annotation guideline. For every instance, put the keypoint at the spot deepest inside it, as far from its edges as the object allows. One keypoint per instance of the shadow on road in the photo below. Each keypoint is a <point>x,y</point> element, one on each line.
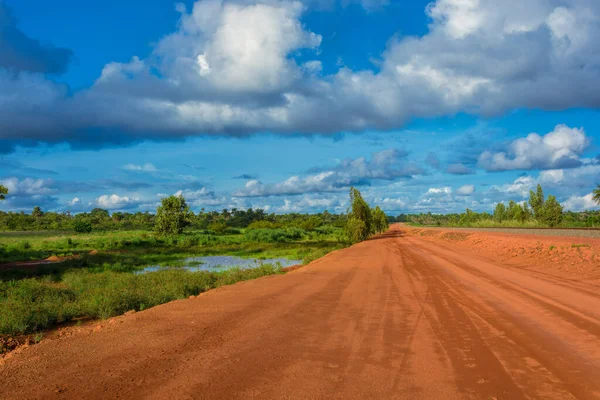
<point>388,235</point>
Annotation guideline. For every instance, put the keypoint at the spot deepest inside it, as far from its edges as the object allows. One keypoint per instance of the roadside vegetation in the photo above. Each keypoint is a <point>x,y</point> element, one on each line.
<point>538,212</point>
<point>363,222</point>
<point>101,256</point>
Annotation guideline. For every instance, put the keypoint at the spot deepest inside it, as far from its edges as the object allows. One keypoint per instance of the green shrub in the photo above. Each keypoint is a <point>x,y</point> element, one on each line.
<point>263,225</point>
<point>82,226</point>
<point>218,227</point>
<point>275,235</point>
<point>30,305</point>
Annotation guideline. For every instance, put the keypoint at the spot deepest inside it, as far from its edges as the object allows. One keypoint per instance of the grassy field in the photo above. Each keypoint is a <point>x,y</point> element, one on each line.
<point>98,280</point>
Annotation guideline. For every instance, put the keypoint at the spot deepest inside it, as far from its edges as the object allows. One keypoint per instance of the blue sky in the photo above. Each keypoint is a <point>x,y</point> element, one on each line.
<point>425,106</point>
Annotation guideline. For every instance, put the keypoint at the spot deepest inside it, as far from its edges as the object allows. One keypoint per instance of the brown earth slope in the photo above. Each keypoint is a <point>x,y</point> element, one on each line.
<point>399,316</point>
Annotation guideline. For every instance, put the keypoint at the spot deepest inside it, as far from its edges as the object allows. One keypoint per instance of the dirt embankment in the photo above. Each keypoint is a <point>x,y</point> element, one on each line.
<point>575,257</point>
<point>407,315</point>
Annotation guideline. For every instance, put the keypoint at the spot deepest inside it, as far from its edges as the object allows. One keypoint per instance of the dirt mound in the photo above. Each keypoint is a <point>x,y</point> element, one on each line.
<point>54,258</point>
<point>455,236</point>
<point>566,256</point>
<point>93,252</point>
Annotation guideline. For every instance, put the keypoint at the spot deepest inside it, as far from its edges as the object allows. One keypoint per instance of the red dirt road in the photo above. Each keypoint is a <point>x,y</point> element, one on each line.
<point>394,317</point>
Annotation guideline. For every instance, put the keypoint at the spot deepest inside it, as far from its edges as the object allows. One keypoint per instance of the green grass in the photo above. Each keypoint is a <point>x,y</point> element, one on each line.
<point>102,284</point>
<point>32,305</point>
<point>126,251</point>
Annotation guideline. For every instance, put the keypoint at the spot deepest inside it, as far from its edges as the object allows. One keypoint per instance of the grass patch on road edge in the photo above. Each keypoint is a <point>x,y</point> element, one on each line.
<point>35,304</point>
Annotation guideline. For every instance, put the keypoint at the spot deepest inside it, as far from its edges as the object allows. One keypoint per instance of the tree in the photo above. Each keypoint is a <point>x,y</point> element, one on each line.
<point>552,212</point>
<point>596,194</point>
<point>37,212</point>
<point>172,215</point>
<point>380,221</point>
<point>82,226</point>
<point>536,201</point>
<point>3,192</point>
<point>360,219</point>
<point>500,212</point>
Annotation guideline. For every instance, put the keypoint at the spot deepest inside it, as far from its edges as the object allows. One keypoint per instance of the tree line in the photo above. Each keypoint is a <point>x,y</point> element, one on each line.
<point>538,211</point>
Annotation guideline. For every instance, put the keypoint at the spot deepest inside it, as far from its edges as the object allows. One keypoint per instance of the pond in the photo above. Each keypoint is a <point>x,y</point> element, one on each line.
<point>222,263</point>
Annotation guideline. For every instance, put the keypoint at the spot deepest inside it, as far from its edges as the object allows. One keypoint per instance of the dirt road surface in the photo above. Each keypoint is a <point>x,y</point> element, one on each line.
<point>393,317</point>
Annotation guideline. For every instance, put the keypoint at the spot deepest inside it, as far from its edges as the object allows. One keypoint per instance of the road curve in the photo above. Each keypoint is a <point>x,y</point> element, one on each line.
<point>391,318</point>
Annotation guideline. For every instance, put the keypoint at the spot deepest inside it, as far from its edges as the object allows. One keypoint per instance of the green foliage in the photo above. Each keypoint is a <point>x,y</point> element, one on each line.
<point>380,222</point>
<point>500,212</point>
<point>218,227</point>
<point>536,200</point>
<point>30,305</point>
<point>3,192</point>
<point>596,194</point>
<point>37,212</point>
<point>543,213</point>
<point>172,215</point>
<point>360,218</point>
<point>263,225</point>
<point>82,226</point>
<point>356,230</point>
<point>552,212</point>
<point>275,235</point>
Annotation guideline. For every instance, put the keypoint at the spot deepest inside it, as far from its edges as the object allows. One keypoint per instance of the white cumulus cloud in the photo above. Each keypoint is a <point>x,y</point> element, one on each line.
<point>561,148</point>
<point>116,202</point>
<point>580,203</point>
<point>148,167</point>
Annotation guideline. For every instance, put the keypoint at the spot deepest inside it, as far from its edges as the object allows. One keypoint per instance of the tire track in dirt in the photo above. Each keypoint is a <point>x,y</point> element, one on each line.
<point>548,339</point>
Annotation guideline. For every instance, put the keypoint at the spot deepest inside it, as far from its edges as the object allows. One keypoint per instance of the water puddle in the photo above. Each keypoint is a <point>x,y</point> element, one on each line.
<point>222,263</point>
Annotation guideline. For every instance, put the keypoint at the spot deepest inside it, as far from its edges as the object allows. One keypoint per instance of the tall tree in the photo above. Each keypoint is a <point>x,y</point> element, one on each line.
<point>380,221</point>
<point>37,212</point>
<point>360,218</point>
<point>3,192</point>
<point>172,215</point>
<point>536,201</point>
<point>553,212</point>
<point>500,212</point>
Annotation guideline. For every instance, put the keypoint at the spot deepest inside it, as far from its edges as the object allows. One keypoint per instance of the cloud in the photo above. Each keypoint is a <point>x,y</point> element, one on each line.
<point>229,69</point>
<point>311,203</point>
<point>386,165</point>
<point>580,203</point>
<point>15,165</point>
<point>28,187</point>
<point>466,190</point>
<point>432,160</point>
<point>391,204</point>
<point>140,168</point>
<point>23,194</point>
<point>116,202</point>
<point>245,177</point>
<point>459,169</point>
<point>561,148</point>
<point>521,186</point>
<point>444,190</point>
<point>18,52</point>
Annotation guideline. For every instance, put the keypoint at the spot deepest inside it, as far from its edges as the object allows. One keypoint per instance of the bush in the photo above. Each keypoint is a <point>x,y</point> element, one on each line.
<point>218,227</point>
<point>30,305</point>
<point>263,225</point>
<point>275,235</point>
<point>82,226</point>
<point>356,230</point>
